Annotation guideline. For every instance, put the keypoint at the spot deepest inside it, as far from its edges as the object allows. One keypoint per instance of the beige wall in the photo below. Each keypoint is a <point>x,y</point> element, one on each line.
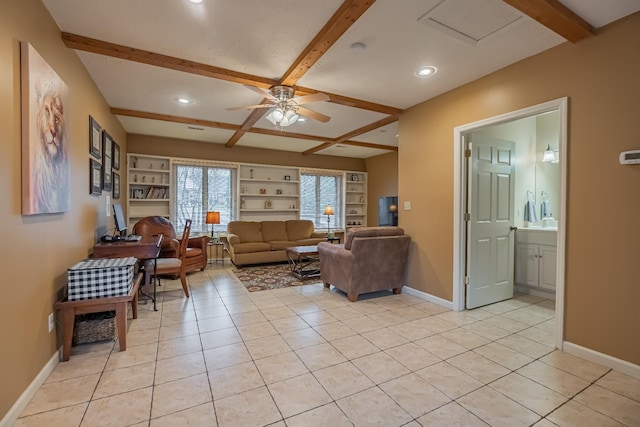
<point>143,144</point>
<point>382,181</point>
<point>38,249</point>
<point>599,75</point>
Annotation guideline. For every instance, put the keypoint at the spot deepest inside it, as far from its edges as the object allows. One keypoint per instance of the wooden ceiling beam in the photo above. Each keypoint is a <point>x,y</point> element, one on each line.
<point>555,16</point>
<point>86,44</point>
<point>247,124</point>
<point>174,119</point>
<point>232,127</point>
<point>344,139</point>
<point>346,15</point>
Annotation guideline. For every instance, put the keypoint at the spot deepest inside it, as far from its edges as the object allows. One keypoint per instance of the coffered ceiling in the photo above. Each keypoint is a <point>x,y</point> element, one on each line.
<point>143,55</point>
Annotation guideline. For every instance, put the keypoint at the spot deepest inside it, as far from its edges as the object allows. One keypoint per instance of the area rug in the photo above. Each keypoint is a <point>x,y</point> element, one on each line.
<point>270,276</point>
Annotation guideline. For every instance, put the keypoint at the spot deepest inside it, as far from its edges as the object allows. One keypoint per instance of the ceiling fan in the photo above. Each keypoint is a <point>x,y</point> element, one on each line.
<point>286,107</point>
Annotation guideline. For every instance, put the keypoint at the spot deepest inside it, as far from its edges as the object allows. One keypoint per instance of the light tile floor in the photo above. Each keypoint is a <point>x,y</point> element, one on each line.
<point>306,356</point>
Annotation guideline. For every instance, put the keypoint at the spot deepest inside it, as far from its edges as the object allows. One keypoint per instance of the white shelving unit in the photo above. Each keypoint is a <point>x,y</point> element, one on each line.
<point>148,187</point>
<point>355,208</point>
<point>268,192</point>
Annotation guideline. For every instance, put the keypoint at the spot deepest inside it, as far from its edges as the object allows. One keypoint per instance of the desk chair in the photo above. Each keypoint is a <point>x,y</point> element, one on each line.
<point>170,266</point>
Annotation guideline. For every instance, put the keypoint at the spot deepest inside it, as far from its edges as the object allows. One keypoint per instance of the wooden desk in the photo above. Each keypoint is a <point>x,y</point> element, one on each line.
<point>119,304</point>
<point>147,248</point>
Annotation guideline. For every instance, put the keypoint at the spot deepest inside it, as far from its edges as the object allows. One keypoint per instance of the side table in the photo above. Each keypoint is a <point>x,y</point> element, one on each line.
<point>333,239</point>
<point>219,248</point>
<point>119,304</point>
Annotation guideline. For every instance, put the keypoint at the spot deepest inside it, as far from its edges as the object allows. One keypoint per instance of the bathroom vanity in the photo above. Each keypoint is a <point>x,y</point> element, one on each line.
<point>536,259</point>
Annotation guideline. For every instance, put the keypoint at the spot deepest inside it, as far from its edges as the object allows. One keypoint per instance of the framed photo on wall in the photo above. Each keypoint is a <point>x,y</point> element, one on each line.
<point>95,178</point>
<point>116,186</point>
<point>95,138</point>
<point>116,156</point>
<point>107,147</point>
<point>46,136</point>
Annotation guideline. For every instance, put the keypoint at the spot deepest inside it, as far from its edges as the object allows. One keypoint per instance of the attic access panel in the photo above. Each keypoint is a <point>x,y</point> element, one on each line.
<point>471,21</point>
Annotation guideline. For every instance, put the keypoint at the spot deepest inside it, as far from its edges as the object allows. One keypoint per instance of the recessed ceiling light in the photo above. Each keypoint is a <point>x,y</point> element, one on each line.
<point>184,101</point>
<point>196,1</point>
<point>302,119</point>
<point>425,71</point>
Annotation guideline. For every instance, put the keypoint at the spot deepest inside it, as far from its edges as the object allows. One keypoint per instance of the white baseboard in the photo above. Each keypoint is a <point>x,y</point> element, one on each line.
<point>12,416</point>
<point>603,359</point>
<point>536,292</point>
<point>431,298</point>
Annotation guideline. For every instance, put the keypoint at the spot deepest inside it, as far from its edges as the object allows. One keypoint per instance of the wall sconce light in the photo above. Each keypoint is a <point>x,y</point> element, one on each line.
<point>549,155</point>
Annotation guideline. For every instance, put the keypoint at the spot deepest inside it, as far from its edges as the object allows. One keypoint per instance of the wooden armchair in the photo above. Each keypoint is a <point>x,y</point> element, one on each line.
<point>170,266</point>
<point>196,252</point>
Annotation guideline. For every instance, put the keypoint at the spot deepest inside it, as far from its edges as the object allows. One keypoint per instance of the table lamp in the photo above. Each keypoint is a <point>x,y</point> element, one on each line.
<point>328,211</point>
<point>213,218</point>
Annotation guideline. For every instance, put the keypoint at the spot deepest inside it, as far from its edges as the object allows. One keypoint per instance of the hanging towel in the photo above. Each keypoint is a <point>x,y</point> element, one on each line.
<point>530,211</point>
<point>545,209</point>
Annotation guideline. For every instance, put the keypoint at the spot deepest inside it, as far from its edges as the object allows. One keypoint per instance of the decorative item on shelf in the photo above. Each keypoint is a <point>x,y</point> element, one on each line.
<point>135,162</point>
<point>354,177</point>
<point>150,165</point>
<point>287,178</point>
<point>359,222</point>
<point>268,205</point>
<point>135,178</point>
<point>251,173</point>
<point>353,212</point>
<point>263,191</point>
<point>328,211</point>
<point>278,191</point>
<point>144,178</point>
<point>213,218</point>
<point>242,205</point>
<point>153,179</point>
<point>361,199</point>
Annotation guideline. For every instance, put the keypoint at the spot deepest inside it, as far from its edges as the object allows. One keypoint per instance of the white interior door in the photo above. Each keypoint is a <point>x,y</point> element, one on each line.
<point>490,236</point>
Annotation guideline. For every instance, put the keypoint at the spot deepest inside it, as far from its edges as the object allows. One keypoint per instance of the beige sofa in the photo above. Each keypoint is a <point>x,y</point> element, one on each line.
<point>258,242</point>
<point>371,259</point>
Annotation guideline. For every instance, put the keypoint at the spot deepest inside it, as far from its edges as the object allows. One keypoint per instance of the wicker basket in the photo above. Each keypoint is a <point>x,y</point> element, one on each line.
<point>94,327</point>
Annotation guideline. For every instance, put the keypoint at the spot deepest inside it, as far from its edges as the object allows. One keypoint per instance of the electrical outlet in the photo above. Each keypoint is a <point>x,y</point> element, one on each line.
<point>51,322</point>
<point>407,206</point>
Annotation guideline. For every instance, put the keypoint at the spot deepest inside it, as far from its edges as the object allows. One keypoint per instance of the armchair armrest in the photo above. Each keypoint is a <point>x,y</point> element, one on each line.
<point>198,242</point>
<point>232,239</point>
<point>170,248</point>
<point>335,263</point>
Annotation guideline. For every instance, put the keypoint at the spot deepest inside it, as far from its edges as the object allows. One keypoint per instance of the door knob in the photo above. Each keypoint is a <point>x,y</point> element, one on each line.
<point>513,228</point>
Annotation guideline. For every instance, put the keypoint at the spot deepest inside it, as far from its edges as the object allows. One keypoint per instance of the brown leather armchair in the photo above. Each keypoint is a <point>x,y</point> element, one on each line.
<point>196,255</point>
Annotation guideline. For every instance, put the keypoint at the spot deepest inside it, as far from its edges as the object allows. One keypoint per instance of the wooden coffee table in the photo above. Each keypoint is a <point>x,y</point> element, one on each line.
<point>304,261</point>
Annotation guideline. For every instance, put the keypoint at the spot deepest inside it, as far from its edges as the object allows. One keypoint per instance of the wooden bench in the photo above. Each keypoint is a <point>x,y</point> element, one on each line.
<point>119,304</point>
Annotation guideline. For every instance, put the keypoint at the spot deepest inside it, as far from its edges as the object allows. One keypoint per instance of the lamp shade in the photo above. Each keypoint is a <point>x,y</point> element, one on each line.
<point>549,155</point>
<point>213,217</point>
<point>328,210</point>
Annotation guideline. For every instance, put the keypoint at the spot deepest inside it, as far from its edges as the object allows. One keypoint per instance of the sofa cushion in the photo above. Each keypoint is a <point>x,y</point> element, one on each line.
<point>370,232</point>
<point>299,229</point>
<point>245,248</point>
<point>278,245</point>
<point>273,231</point>
<point>193,252</point>
<point>247,231</point>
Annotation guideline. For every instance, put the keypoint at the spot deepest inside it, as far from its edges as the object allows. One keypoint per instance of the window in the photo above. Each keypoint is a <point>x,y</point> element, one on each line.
<point>316,191</point>
<point>199,189</point>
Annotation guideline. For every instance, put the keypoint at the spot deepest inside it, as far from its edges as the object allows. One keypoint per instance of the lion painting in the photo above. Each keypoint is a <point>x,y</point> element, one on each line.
<point>47,180</point>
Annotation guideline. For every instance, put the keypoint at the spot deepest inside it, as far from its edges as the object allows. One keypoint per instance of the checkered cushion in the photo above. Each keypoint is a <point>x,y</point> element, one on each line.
<point>100,277</point>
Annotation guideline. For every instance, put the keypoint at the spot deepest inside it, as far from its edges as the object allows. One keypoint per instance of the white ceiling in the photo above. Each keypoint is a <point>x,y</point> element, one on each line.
<point>263,38</point>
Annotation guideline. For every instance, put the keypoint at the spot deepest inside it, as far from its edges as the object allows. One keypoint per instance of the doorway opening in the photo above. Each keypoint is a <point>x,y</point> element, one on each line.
<point>462,180</point>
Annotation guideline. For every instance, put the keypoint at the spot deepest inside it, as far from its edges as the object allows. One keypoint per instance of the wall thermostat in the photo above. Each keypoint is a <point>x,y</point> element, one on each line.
<point>630,157</point>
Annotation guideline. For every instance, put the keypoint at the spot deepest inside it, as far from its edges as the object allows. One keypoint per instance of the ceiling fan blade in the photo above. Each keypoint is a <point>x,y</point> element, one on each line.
<point>250,107</point>
<point>261,91</point>
<point>313,115</point>
<point>308,99</point>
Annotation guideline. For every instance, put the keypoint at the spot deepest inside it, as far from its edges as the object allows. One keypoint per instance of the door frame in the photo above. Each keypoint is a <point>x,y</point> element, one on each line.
<point>459,202</point>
